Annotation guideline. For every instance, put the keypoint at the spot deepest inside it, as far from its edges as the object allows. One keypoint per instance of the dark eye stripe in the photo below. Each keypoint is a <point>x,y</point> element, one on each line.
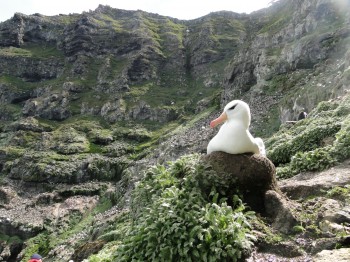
<point>232,107</point>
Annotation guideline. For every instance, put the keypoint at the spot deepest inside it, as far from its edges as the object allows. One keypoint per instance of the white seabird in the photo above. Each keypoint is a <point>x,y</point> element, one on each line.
<point>234,136</point>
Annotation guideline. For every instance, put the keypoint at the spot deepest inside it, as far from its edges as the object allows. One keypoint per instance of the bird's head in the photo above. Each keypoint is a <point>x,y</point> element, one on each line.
<point>235,110</point>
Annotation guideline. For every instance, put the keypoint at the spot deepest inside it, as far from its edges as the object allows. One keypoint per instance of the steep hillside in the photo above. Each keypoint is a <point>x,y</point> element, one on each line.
<point>88,102</point>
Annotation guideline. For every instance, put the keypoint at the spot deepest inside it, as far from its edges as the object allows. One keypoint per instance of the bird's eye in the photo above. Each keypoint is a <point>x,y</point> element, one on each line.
<point>232,107</point>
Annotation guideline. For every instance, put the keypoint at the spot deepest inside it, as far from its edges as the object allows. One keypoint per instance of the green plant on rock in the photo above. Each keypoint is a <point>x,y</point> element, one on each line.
<point>107,169</point>
<point>180,222</point>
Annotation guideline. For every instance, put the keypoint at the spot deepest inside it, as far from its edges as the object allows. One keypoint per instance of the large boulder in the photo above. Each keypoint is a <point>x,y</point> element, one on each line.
<point>252,174</point>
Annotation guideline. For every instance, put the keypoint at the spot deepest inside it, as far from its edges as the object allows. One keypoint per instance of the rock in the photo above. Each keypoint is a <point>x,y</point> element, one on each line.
<point>48,167</point>
<point>275,252</point>
<point>70,141</point>
<point>324,244</point>
<point>333,216</point>
<point>6,194</point>
<point>87,249</point>
<point>34,209</point>
<point>314,184</point>
<point>334,211</point>
<point>54,106</point>
<point>279,209</point>
<point>252,174</point>
<point>339,255</point>
<point>330,227</point>
<point>30,124</point>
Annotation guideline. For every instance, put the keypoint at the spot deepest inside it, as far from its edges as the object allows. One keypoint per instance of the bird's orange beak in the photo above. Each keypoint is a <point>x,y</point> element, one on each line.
<point>222,118</point>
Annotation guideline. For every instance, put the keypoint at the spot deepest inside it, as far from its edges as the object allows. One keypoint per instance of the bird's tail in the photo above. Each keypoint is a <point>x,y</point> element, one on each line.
<point>261,145</point>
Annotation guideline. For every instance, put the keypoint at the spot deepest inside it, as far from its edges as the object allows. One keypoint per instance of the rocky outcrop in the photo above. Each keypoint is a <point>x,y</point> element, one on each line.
<point>251,174</point>
<point>32,70</point>
<point>315,184</point>
<point>254,176</point>
<point>54,106</point>
<point>29,124</point>
<point>281,212</point>
<point>48,167</point>
<point>108,51</point>
<point>285,46</point>
<point>33,209</point>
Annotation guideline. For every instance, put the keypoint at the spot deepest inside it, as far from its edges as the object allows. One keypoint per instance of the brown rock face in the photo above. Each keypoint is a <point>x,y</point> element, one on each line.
<point>253,175</point>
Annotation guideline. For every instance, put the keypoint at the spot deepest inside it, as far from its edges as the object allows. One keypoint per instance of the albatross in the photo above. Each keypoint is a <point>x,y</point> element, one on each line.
<point>234,136</point>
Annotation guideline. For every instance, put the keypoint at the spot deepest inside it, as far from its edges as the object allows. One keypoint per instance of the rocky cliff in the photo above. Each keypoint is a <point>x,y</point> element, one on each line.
<point>89,101</point>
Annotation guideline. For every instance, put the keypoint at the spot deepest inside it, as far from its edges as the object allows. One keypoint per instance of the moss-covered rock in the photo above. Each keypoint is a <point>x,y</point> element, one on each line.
<point>251,174</point>
<point>70,141</point>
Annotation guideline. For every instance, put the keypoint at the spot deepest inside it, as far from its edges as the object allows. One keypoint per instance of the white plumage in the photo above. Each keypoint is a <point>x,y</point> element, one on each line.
<point>234,136</point>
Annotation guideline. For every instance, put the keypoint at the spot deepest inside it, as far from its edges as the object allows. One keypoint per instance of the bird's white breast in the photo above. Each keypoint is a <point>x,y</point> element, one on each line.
<point>233,138</point>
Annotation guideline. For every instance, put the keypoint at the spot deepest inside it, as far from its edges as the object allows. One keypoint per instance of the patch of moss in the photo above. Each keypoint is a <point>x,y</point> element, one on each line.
<point>16,83</point>
<point>12,152</point>
<point>46,51</point>
<point>70,141</point>
<point>11,111</point>
<point>338,192</point>
<point>32,50</point>
<point>108,21</point>
<point>14,51</point>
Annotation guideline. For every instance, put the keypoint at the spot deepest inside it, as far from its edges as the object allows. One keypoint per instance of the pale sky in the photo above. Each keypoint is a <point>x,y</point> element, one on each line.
<point>181,9</point>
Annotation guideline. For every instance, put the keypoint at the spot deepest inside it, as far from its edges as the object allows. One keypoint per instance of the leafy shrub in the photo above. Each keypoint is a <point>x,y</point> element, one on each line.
<point>323,106</point>
<point>342,142</point>
<point>307,140</point>
<point>318,159</point>
<point>301,147</point>
<point>284,172</point>
<point>177,222</point>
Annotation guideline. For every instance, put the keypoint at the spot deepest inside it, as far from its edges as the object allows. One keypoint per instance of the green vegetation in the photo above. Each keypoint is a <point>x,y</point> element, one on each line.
<point>16,83</point>
<point>14,51</point>
<point>32,50</point>
<point>38,244</point>
<point>315,143</point>
<point>10,239</point>
<point>278,20</point>
<point>338,192</point>
<point>175,219</point>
